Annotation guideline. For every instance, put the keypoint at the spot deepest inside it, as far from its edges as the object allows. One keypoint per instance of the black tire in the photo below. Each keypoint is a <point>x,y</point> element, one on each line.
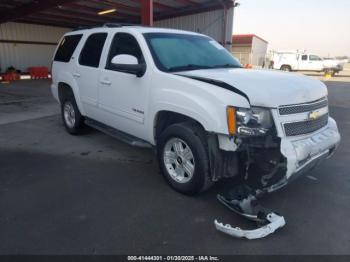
<point>77,127</point>
<point>286,68</point>
<point>194,136</point>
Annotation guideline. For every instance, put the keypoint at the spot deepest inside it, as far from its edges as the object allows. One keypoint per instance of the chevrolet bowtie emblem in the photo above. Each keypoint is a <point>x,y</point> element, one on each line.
<point>314,115</point>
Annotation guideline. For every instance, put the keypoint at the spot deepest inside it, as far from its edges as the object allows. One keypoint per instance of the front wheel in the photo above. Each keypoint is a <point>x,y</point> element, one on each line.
<point>183,158</point>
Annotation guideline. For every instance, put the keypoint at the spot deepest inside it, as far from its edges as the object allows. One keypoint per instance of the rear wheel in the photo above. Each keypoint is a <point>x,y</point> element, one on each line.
<point>183,158</point>
<point>71,116</point>
<point>286,68</point>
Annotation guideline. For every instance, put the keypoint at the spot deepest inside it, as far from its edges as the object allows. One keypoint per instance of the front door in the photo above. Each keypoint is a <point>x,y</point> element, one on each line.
<point>123,97</point>
<point>316,63</point>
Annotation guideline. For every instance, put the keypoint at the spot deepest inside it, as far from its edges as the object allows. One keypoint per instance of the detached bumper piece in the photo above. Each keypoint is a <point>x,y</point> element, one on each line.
<point>243,201</point>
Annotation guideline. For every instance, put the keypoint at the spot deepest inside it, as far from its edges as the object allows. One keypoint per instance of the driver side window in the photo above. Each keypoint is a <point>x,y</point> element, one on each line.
<point>124,44</point>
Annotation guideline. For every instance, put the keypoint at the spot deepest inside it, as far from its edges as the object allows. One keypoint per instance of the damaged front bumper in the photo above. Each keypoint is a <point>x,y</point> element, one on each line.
<point>243,201</point>
<point>271,162</point>
<point>275,222</point>
<point>270,166</point>
<point>303,154</point>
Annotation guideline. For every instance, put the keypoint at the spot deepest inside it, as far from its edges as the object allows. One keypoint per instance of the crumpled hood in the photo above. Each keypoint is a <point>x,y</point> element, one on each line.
<point>267,88</point>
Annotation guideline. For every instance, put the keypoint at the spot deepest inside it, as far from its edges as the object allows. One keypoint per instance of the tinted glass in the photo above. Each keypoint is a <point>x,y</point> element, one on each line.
<point>124,44</point>
<point>91,53</point>
<point>304,57</point>
<point>180,52</point>
<point>315,58</point>
<point>67,47</point>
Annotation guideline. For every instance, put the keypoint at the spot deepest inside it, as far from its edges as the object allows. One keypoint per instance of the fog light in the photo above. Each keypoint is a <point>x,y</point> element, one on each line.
<point>247,131</point>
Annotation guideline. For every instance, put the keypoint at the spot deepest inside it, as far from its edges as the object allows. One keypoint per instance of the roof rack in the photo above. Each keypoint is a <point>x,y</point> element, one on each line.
<point>82,28</point>
<point>109,25</point>
<point>119,24</point>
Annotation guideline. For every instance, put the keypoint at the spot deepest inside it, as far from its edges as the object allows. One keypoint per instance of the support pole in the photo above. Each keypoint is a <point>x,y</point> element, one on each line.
<point>147,12</point>
<point>227,23</point>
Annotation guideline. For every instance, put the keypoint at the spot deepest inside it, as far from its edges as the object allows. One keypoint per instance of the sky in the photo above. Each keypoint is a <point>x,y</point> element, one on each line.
<point>318,26</point>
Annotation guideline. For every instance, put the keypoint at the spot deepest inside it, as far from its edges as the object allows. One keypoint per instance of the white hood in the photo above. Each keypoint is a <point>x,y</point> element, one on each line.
<point>267,88</point>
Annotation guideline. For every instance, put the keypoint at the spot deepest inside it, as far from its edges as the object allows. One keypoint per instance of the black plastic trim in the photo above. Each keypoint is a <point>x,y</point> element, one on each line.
<point>218,83</point>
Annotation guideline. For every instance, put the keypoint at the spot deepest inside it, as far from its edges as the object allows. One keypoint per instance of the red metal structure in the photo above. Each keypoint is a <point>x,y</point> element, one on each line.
<point>75,13</point>
<point>245,39</point>
<point>38,72</point>
<point>147,12</point>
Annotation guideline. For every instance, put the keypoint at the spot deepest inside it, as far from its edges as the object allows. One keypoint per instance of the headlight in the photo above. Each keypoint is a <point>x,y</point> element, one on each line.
<point>255,121</point>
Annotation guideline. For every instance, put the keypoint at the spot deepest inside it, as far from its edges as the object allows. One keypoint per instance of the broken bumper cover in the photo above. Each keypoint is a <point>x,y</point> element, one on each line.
<point>243,201</point>
<point>305,153</point>
<point>275,220</point>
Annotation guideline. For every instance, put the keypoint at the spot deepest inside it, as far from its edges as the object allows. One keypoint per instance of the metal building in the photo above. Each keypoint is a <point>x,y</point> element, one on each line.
<point>249,49</point>
<point>30,29</point>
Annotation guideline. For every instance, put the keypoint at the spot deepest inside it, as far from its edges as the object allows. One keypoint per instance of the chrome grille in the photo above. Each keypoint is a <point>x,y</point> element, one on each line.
<point>305,127</point>
<point>303,108</point>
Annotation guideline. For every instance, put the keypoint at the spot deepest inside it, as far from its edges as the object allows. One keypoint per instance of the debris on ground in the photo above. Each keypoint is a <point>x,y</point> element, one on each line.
<point>244,201</point>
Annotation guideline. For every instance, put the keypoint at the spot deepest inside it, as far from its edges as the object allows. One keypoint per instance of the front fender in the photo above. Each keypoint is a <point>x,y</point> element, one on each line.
<point>200,101</point>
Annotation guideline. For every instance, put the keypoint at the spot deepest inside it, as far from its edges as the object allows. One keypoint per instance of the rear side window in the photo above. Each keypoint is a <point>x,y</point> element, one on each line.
<point>91,53</point>
<point>67,47</point>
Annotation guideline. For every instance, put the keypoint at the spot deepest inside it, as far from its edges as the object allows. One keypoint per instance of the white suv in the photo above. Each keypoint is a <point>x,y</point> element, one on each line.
<point>185,95</point>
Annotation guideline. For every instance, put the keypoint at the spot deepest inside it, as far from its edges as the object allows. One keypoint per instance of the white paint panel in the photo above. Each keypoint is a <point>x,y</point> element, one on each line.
<point>22,56</point>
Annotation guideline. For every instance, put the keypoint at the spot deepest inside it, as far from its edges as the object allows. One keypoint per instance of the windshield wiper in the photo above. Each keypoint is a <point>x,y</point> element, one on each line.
<point>188,67</point>
<point>227,66</point>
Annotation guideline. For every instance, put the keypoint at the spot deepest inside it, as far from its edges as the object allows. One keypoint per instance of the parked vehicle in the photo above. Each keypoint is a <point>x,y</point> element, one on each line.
<point>183,94</point>
<point>332,63</point>
<point>302,61</point>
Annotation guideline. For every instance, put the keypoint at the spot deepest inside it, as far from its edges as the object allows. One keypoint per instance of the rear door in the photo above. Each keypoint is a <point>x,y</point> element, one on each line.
<point>87,71</point>
<point>64,55</point>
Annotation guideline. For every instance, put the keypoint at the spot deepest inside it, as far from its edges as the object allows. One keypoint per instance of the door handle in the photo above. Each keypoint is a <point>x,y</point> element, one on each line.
<point>106,82</point>
<point>77,75</point>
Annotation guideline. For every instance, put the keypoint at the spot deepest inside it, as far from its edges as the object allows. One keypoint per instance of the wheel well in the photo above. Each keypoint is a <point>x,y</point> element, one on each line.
<point>286,65</point>
<point>168,118</point>
<point>64,90</point>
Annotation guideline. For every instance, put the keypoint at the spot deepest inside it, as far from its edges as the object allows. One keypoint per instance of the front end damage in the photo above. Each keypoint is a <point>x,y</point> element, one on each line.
<point>263,164</point>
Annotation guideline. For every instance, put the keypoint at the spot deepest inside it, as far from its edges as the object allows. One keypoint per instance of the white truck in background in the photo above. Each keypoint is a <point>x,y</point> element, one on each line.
<point>303,61</point>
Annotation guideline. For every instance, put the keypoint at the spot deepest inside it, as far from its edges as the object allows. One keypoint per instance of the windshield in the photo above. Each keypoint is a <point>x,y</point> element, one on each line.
<point>181,52</point>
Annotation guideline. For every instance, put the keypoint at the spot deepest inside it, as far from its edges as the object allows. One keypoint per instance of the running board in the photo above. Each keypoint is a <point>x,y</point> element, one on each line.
<point>131,140</point>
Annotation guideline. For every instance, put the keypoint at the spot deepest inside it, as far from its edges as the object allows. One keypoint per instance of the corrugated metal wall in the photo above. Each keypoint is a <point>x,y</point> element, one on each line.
<point>259,51</point>
<point>208,23</point>
<point>22,56</point>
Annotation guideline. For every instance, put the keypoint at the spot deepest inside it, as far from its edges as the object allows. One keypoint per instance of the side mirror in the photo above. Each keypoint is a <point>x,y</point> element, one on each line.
<point>124,60</point>
<point>127,64</point>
